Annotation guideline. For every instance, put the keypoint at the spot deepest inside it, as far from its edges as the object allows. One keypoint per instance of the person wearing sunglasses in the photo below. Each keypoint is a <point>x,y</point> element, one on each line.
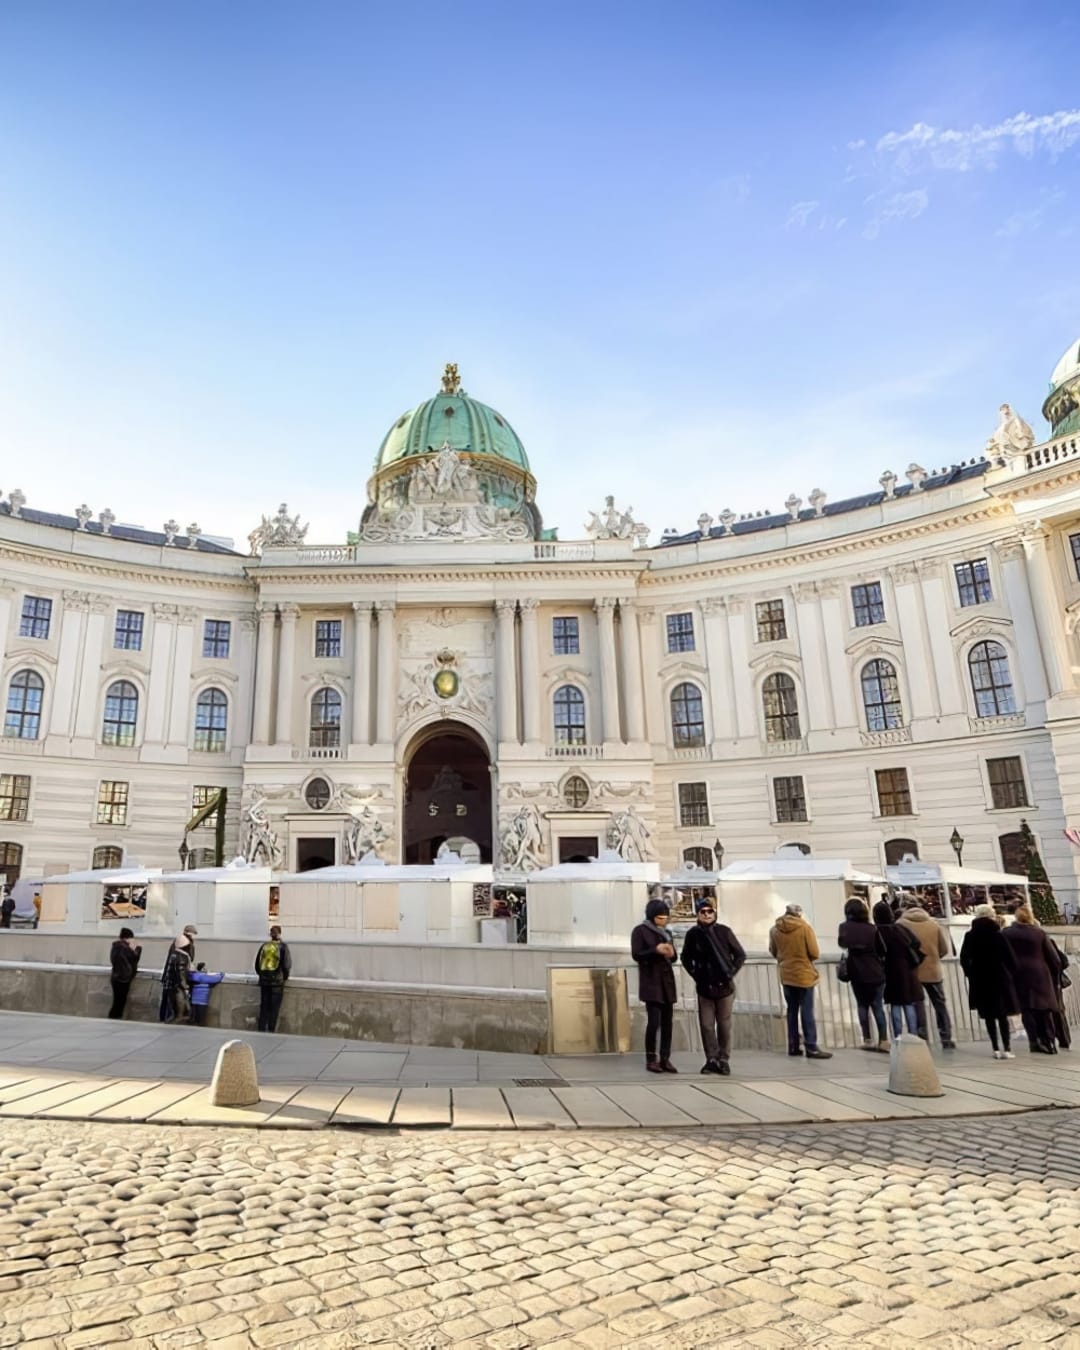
<point>713,956</point>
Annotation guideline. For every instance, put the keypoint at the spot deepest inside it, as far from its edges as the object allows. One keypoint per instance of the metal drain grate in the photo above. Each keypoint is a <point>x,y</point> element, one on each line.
<point>540,1082</point>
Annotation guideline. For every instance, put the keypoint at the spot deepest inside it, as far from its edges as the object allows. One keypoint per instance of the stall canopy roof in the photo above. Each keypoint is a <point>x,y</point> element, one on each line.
<point>110,876</point>
<point>803,868</point>
<point>359,873</point>
<point>933,874</point>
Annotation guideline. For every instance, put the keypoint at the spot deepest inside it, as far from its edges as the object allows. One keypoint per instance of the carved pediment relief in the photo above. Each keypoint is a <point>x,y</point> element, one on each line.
<point>980,626</point>
<point>695,670</point>
<point>780,659</point>
<point>879,645</point>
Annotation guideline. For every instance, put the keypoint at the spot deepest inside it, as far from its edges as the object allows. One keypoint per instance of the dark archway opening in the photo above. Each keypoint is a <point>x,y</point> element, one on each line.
<point>447,795</point>
<point>313,853</point>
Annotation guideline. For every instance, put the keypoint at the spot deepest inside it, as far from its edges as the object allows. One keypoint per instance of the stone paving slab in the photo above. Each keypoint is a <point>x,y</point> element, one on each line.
<point>477,1108</point>
<point>369,1105</point>
<point>423,1106</point>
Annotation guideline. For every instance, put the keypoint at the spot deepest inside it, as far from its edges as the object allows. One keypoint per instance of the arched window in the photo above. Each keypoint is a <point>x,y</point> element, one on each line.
<point>991,682</point>
<point>107,855</point>
<point>325,729</point>
<point>687,716</point>
<point>25,694</point>
<point>10,863</point>
<point>1014,856</point>
<point>211,720</point>
<point>700,857</point>
<point>804,849</point>
<point>881,696</point>
<point>576,792</point>
<point>569,705</point>
<point>781,708</point>
<point>121,714</point>
<point>897,849</point>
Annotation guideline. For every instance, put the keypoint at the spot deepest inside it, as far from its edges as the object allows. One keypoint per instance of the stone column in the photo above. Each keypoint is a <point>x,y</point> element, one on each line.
<point>180,711</point>
<point>938,623</point>
<point>7,600</point>
<point>831,598</point>
<point>746,713</point>
<point>633,689</point>
<point>1049,614</point>
<point>65,690</point>
<point>361,673</point>
<point>385,693</point>
<point>264,673</point>
<point>286,674</point>
<point>812,651</point>
<point>530,671</point>
<point>718,657</point>
<point>918,657</point>
<point>506,671</point>
<point>89,703</point>
<point>609,671</point>
<point>1014,570</point>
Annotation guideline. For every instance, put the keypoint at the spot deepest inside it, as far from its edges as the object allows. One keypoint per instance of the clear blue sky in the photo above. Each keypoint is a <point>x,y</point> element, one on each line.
<point>699,254</point>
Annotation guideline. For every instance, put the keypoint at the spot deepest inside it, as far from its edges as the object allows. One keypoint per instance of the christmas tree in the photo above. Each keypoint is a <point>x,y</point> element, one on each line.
<point>1042,893</point>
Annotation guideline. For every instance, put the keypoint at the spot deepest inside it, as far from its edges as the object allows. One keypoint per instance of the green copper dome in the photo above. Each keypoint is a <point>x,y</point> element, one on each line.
<point>452,418</point>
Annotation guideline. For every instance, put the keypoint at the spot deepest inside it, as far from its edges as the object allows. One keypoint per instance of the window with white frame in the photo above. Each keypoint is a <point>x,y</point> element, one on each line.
<point>991,683</point>
<point>211,720</point>
<point>36,617</point>
<point>881,696</point>
<point>217,638</point>
<point>680,632</point>
<point>128,633</point>
<point>789,795</point>
<point>112,803</point>
<point>14,796</point>
<point>687,717</point>
<point>325,729</point>
<point>771,621</point>
<point>202,794</point>
<point>781,705</point>
<point>699,857</point>
<point>893,792</point>
<point>121,714</point>
<point>867,604</point>
<point>693,804</point>
<point>565,637</point>
<point>107,856</point>
<point>973,582</point>
<point>328,637</point>
<point>1007,786</point>
<point>569,710</point>
<point>22,719</point>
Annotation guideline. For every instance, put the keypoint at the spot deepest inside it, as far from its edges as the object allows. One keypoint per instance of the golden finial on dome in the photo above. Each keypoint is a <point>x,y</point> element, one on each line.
<point>451,380</point>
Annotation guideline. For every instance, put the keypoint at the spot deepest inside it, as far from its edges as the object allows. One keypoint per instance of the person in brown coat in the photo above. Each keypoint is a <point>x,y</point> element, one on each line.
<point>795,946</point>
<point>1038,966</point>
<point>934,943</point>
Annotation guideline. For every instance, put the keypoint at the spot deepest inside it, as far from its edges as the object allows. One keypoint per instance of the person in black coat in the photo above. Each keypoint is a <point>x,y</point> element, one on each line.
<point>1038,968</point>
<point>988,962</point>
<point>653,948</point>
<point>865,949</point>
<point>713,956</point>
<point>902,987</point>
<point>1061,1021</point>
<point>124,958</point>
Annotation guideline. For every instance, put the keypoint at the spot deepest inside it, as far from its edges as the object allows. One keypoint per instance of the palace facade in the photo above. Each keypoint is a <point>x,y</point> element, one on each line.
<point>861,677</point>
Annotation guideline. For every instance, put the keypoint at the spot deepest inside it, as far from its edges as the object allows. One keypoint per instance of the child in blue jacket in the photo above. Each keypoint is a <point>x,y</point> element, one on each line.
<point>201,984</point>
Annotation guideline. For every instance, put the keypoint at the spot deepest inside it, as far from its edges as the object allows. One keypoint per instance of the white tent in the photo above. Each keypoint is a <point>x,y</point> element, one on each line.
<point>75,899</point>
<point>950,882</point>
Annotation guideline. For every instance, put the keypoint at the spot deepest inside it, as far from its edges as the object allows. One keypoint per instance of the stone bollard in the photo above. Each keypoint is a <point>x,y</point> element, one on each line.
<point>911,1069</point>
<point>235,1082</point>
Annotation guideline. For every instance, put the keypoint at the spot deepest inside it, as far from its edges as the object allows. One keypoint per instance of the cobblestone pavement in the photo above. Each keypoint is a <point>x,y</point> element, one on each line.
<point>959,1232</point>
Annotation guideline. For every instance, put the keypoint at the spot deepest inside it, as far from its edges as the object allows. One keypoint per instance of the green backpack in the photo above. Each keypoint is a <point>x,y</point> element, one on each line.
<point>269,958</point>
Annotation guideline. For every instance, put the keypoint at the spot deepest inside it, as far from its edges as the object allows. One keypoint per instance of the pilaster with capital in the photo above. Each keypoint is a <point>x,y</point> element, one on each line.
<point>264,673</point>
<point>718,660</point>
<point>609,670</point>
<point>938,623</point>
<point>633,688</point>
<point>1049,610</point>
<point>746,721</point>
<point>911,620</point>
<point>183,660</point>
<point>812,650</point>
<point>65,690</point>
<point>385,670</point>
<point>7,601</point>
<point>506,713</point>
<point>1012,557</point>
<point>530,670</point>
<point>162,637</point>
<point>361,673</point>
<point>90,653</point>
<point>286,674</point>
<point>831,601</point>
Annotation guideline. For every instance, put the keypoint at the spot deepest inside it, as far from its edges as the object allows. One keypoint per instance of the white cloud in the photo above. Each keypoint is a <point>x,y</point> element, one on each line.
<point>1026,222</point>
<point>979,147</point>
<point>800,214</point>
<point>887,207</point>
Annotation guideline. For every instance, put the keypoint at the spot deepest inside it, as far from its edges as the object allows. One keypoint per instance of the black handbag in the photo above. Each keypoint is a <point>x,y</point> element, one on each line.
<point>842,972</point>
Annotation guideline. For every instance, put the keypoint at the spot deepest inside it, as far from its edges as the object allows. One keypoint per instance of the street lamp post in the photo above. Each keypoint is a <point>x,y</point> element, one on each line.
<point>718,853</point>
<point>183,850</point>
<point>957,842</point>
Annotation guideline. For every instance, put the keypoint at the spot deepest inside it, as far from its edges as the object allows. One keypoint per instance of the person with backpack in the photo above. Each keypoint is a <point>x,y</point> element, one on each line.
<point>273,965</point>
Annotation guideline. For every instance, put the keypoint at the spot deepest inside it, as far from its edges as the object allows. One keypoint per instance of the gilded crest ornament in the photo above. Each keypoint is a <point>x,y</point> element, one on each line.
<point>451,380</point>
<point>446,681</point>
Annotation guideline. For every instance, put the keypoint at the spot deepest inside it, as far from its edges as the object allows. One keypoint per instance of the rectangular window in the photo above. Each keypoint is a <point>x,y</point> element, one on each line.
<point>973,582</point>
<point>790,798</point>
<point>14,796</point>
<point>1007,786</point>
<point>867,604</point>
<point>327,637</point>
<point>217,634</point>
<point>894,795</point>
<point>565,640</point>
<point>680,632</point>
<point>112,804</point>
<point>129,627</point>
<point>200,795</point>
<point>693,804</point>
<point>771,624</point>
<point>36,617</point>
<point>1074,544</point>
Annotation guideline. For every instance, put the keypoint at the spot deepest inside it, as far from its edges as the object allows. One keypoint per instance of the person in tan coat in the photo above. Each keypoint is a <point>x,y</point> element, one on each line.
<point>934,943</point>
<point>795,946</point>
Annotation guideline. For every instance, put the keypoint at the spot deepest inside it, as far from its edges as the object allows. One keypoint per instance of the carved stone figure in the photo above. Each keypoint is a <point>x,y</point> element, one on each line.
<point>82,515</point>
<point>615,524</point>
<point>280,531</point>
<point>107,519</point>
<point>442,498</point>
<point>16,502</point>
<point>172,529</point>
<point>364,834</point>
<point>629,837</point>
<point>260,839</point>
<point>521,842</point>
<point>1012,436</point>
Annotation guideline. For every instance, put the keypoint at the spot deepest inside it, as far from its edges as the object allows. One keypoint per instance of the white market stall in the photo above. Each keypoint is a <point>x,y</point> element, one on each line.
<point>225,902</point>
<point>100,900</point>
<point>590,904</point>
<point>950,892</point>
<point>752,894</point>
<point>381,902</point>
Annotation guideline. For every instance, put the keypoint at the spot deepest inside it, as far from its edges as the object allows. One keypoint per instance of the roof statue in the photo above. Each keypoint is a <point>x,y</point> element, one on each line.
<point>451,380</point>
<point>1012,436</point>
<point>615,524</point>
<point>280,531</point>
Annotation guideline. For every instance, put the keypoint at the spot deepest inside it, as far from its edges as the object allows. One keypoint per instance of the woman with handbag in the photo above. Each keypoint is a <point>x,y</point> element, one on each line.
<point>863,967</point>
<point>1038,970</point>
<point>903,989</point>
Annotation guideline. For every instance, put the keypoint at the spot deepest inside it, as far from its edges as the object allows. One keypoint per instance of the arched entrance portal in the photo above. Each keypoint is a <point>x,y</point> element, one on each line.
<point>447,794</point>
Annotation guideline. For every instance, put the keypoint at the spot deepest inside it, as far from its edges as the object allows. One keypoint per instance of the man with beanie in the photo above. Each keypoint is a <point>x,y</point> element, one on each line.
<point>794,945</point>
<point>713,956</point>
<point>934,943</point>
<point>653,948</point>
